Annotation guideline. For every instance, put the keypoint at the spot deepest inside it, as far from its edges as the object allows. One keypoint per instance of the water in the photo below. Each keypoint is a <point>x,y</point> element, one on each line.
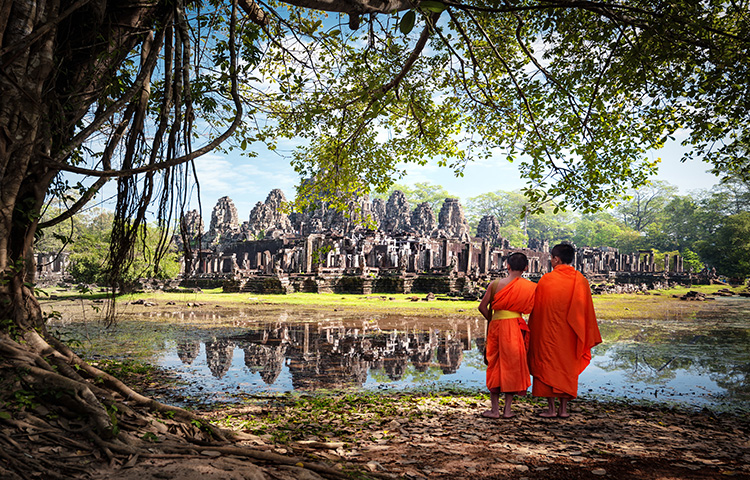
<point>699,362</point>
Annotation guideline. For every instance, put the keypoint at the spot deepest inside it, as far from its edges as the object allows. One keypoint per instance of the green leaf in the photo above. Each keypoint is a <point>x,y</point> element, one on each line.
<point>407,23</point>
<point>430,6</point>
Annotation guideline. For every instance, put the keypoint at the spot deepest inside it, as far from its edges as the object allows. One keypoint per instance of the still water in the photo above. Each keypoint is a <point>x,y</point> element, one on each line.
<point>702,361</point>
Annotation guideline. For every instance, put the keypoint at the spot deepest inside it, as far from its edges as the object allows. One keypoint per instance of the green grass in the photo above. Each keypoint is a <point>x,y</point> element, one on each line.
<point>396,303</point>
<point>659,304</point>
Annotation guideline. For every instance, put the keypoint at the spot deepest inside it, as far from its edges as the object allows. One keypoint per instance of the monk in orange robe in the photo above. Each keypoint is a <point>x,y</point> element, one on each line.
<point>563,330</point>
<point>507,335</point>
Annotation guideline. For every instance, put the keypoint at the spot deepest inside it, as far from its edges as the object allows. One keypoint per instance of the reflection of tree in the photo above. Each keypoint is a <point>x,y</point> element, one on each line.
<point>188,351</point>
<point>735,380</point>
<point>720,354</point>
<point>474,358</point>
<point>481,345</point>
<point>641,363</point>
<point>725,359</point>
<point>395,367</point>
<point>219,356</point>
<point>430,374</point>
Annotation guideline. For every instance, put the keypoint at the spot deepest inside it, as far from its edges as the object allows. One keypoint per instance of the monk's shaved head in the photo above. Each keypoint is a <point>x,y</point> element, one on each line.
<point>517,262</point>
<point>565,252</point>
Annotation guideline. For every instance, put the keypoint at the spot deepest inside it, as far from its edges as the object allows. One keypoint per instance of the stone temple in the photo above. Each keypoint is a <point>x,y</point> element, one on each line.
<point>386,247</point>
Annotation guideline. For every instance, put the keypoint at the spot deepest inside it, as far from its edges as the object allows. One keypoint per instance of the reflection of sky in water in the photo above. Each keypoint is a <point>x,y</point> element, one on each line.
<point>690,386</point>
<point>702,361</point>
<point>605,378</point>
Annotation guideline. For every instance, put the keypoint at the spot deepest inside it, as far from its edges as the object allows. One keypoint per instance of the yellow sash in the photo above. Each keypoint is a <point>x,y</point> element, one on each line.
<point>500,314</point>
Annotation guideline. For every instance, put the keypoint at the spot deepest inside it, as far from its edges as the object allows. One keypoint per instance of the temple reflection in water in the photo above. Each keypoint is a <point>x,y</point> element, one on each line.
<point>337,354</point>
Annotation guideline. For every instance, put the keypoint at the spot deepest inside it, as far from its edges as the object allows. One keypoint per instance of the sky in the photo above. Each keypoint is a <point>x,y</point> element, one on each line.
<point>249,180</point>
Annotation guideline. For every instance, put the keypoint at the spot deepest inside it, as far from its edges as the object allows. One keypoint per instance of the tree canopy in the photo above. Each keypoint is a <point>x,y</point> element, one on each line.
<point>576,94</point>
<point>421,192</point>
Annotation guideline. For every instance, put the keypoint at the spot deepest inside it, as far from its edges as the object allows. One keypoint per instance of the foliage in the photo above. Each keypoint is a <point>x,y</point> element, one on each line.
<point>420,192</point>
<point>576,95</point>
<point>550,227</point>
<point>604,230</point>
<point>644,205</point>
<point>728,249</point>
<point>88,242</point>
<point>506,207</point>
<point>691,261</point>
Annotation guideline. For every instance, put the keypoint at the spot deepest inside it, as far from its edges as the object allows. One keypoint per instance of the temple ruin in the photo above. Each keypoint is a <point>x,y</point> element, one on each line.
<point>385,247</point>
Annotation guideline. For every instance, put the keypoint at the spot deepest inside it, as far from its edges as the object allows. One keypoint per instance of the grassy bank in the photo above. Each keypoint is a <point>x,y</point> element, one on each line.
<point>658,304</point>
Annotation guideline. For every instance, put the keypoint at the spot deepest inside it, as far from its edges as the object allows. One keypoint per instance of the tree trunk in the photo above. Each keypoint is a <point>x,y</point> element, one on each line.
<point>50,76</point>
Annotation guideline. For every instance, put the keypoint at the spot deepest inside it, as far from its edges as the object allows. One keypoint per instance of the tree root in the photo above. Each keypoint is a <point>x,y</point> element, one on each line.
<point>134,396</point>
<point>275,458</point>
<point>78,419</point>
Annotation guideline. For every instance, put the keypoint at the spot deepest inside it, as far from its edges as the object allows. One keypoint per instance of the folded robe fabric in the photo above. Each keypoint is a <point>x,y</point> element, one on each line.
<point>507,366</point>
<point>563,329</point>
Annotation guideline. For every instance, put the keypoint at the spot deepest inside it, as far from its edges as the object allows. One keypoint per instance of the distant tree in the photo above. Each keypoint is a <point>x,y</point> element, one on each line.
<point>420,192</point>
<point>645,205</point>
<point>515,235</point>
<point>551,227</point>
<point>604,230</point>
<point>691,261</point>
<point>506,207</point>
<point>731,196</point>
<point>88,260</point>
<point>728,249</point>
<point>682,222</point>
<point>88,240</point>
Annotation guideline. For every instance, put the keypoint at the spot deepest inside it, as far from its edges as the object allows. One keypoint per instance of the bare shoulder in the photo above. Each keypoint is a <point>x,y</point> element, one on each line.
<point>502,283</point>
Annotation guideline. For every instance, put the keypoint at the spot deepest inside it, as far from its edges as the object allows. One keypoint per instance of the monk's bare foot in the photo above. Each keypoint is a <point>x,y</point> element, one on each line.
<point>563,415</point>
<point>491,414</point>
<point>548,414</point>
<point>509,415</point>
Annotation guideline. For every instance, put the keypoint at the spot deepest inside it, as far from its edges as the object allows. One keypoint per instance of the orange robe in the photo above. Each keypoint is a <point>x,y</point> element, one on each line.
<point>507,367</point>
<point>563,330</point>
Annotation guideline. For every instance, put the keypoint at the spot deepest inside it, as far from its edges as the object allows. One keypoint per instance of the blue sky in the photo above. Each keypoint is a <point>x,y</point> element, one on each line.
<point>249,180</point>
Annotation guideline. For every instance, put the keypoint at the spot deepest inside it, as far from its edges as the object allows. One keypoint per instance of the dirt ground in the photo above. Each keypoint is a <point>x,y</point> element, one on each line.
<point>452,441</point>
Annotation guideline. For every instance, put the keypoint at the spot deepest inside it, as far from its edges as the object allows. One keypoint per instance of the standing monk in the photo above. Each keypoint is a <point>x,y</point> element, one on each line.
<point>507,335</point>
<point>563,329</point>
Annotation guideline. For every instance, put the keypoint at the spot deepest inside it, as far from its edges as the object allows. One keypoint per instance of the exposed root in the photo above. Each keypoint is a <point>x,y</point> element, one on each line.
<point>79,420</point>
<point>133,396</point>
